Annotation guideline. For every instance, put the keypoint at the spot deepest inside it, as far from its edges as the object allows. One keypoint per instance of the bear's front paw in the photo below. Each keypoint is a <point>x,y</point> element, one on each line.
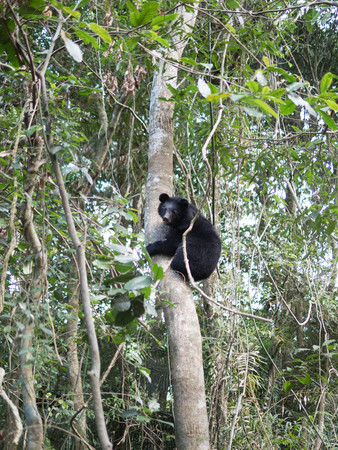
<point>151,249</point>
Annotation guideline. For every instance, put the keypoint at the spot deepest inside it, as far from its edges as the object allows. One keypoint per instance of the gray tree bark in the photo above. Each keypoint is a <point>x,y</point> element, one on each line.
<point>190,412</point>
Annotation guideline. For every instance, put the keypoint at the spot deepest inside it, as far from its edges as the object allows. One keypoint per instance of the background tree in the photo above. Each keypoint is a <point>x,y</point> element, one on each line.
<point>78,106</point>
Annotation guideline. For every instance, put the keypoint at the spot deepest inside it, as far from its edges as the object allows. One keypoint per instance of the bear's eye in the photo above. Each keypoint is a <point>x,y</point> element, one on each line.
<point>174,212</point>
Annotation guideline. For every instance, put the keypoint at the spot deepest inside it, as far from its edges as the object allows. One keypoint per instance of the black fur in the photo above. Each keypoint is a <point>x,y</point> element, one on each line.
<point>203,242</point>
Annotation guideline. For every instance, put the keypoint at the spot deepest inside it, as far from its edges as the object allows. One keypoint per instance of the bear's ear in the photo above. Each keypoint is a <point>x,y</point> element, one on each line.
<point>164,198</point>
<point>184,202</point>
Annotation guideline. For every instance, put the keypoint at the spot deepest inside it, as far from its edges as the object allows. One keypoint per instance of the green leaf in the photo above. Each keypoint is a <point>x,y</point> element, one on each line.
<point>306,380</point>
<point>148,12</point>
<point>265,107</point>
<point>318,222</point>
<point>100,32</point>
<point>290,78</point>
<point>131,7</point>
<point>103,263</point>
<point>157,271</point>
<point>138,283</point>
<point>189,61</point>
<point>70,11</point>
<point>287,108</point>
<point>326,82</point>
<point>230,28</point>
<point>328,120</point>
<point>253,85</point>
<point>266,61</point>
<point>56,4</point>
<point>162,41</point>
<point>46,330</point>
<point>87,38</point>
<point>216,97</point>
<point>287,386</point>
<point>122,302</point>
<point>277,92</point>
<point>333,105</point>
<point>253,112</point>
<point>331,227</point>
<point>161,20</point>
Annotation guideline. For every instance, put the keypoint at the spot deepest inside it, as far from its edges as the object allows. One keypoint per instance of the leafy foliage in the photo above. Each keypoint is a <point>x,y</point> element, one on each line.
<point>273,72</point>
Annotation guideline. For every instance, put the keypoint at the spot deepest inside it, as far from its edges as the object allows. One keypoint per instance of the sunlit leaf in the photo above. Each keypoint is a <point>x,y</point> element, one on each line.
<point>265,107</point>
<point>325,82</point>
<point>138,283</point>
<point>100,32</point>
<point>328,120</point>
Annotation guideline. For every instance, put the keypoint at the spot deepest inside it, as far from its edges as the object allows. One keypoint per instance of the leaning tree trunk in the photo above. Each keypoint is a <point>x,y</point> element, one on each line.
<point>190,412</point>
<point>37,288</point>
<point>74,373</point>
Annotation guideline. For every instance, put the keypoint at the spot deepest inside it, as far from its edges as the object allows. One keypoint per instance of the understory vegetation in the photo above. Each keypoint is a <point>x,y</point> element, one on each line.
<point>82,332</point>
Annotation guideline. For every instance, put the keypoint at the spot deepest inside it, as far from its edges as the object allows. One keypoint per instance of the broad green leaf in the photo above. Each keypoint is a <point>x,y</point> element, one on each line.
<point>306,380</point>
<point>138,283</point>
<point>294,86</point>
<point>333,105</point>
<point>46,330</point>
<point>131,7</point>
<point>162,41</point>
<point>287,386</point>
<point>119,248</point>
<point>287,108</point>
<point>217,97</point>
<point>36,3</point>
<point>149,11</point>
<point>331,227</point>
<point>277,92</point>
<point>87,38</point>
<point>70,11</point>
<point>326,82</point>
<point>56,4</point>
<point>266,61</point>
<point>265,90</point>
<point>100,32</point>
<point>253,85</point>
<point>265,107</point>
<point>328,120</point>
<point>189,61</point>
<point>230,28</point>
<point>125,259</point>
<point>253,112</point>
<point>160,20</point>
<point>157,271</point>
<point>103,263</point>
<point>122,302</point>
<point>290,78</point>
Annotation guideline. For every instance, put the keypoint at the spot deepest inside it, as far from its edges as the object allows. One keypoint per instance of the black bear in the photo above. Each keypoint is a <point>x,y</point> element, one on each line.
<point>203,242</point>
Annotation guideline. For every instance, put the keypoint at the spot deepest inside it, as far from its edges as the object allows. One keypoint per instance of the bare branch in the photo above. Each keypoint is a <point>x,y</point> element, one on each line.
<point>18,428</point>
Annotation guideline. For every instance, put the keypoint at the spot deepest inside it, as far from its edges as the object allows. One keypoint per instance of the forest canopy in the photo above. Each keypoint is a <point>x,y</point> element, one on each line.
<point>105,105</point>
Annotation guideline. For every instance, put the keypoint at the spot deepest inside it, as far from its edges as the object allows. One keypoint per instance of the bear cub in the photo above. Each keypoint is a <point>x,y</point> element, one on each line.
<point>203,242</point>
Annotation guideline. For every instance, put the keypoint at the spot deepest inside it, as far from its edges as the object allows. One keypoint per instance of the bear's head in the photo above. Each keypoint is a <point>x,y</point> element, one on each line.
<point>173,210</point>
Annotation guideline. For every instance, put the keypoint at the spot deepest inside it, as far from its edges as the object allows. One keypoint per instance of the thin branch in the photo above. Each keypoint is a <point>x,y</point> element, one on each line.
<point>83,407</point>
<point>18,428</point>
<point>112,363</point>
<point>280,294</point>
<point>12,229</point>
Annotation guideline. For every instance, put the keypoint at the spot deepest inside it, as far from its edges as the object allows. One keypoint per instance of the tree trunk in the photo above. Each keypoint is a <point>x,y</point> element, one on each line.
<point>32,416</point>
<point>74,371</point>
<point>191,420</point>
<point>185,349</point>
